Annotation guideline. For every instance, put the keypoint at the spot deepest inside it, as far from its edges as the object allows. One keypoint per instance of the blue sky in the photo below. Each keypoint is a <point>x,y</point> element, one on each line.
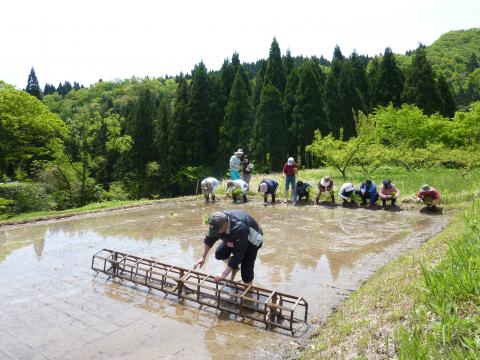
<point>87,40</point>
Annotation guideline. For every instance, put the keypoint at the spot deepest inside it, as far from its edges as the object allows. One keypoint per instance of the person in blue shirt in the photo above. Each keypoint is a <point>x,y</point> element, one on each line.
<point>368,191</point>
<point>266,187</point>
<point>303,189</point>
<point>236,164</point>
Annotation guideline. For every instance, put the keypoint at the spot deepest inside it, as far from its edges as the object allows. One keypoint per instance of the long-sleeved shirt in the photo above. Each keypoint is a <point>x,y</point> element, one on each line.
<point>271,186</point>
<point>433,194</point>
<point>289,170</point>
<point>238,184</point>
<point>209,185</point>
<point>369,191</point>
<point>242,232</point>
<point>346,191</point>
<point>302,190</point>
<point>390,191</point>
<point>235,163</point>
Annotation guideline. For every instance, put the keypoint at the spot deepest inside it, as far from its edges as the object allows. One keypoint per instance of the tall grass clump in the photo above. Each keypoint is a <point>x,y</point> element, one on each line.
<point>446,320</point>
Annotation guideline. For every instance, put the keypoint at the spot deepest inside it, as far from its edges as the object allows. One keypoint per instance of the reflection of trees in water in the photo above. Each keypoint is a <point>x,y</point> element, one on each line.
<point>17,238</point>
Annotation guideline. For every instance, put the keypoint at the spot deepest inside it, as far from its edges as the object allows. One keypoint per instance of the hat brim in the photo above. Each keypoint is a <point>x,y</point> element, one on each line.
<point>324,183</point>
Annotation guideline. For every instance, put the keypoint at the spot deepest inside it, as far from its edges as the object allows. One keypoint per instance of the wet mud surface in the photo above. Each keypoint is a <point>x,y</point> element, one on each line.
<point>52,305</point>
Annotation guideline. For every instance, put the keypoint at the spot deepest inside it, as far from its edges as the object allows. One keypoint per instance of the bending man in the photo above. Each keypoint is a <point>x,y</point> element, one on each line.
<point>241,238</point>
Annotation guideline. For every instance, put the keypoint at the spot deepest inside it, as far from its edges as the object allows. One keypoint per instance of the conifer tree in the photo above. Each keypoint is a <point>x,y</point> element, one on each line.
<point>420,86</point>
<point>33,88</point>
<point>351,99</point>
<point>204,128</point>
<point>373,78</point>
<point>274,73</point>
<point>179,136</point>
<point>390,82</point>
<point>473,63</point>
<point>308,113</point>
<point>269,132</point>
<point>333,105</point>
<point>359,74</point>
<point>48,89</point>
<point>289,103</point>
<point>288,63</point>
<point>448,99</point>
<point>259,77</point>
<point>237,125</point>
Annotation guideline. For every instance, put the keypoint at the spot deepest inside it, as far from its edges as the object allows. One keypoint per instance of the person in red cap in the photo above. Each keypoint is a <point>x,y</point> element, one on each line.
<point>241,238</point>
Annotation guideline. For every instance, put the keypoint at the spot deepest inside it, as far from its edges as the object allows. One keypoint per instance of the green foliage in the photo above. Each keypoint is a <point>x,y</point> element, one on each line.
<point>389,85</point>
<point>28,130</point>
<point>449,303</point>
<point>274,72</point>
<point>18,198</point>
<point>333,152</point>
<point>33,88</point>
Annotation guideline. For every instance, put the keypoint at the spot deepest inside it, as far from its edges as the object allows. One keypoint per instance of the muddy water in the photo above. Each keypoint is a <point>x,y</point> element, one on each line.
<point>53,306</point>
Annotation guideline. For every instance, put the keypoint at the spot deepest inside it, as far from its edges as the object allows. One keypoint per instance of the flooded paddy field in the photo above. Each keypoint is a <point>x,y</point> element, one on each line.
<point>52,305</point>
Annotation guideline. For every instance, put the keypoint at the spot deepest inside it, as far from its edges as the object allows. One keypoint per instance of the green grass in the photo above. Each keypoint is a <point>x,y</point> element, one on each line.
<point>455,186</point>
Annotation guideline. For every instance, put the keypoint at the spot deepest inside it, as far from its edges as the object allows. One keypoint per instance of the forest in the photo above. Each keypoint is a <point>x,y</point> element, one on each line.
<point>70,145</point>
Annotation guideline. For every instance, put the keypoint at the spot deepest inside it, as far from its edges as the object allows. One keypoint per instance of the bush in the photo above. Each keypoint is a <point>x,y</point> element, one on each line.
<point>26,197</point>
<point>116,192</point>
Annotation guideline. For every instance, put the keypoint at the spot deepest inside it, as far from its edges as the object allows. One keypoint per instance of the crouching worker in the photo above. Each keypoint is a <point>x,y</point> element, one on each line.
<point>325,186</point>
<point>429,196</point>
<point>346,193</point>
<point>237,188</point>
<point>388,192</point>
<point>209,185</point>
<point>241,238</point>
<point>303,190</point>
<point>368,191</point>
<point>268,187</point>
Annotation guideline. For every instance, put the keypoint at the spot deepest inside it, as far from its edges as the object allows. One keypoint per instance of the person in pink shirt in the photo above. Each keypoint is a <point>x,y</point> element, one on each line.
<point>290,170</point>
<point>388,192</point>
<point>429,196</point>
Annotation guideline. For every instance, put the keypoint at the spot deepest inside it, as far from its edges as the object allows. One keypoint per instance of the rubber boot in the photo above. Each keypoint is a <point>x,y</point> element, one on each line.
<point>213,197</point>
<point>264,198</point>
<point>273,198</point>
<point>244,198</point>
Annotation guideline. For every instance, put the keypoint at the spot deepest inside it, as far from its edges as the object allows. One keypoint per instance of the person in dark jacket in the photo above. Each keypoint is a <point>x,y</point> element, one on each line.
<point>303,189</point>
<point>266,187</point>
<point>368,191</point>
<point>241,238</point>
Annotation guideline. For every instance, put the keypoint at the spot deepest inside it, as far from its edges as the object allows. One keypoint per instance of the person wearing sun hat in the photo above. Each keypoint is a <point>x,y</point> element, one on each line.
<point>388,192</point>
<point>429,196</point>
<point>325,185</point>
<point>266,187</point>
<point>241,238</point>
<point>236,164</point>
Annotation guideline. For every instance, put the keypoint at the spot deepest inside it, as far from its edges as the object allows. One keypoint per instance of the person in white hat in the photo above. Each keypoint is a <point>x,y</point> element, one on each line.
<point>236,164</point>
<point>325,185</point>
<point>290,170</point>
<point>346,193</point>
<point>266,187</point>
<point>209,185</point>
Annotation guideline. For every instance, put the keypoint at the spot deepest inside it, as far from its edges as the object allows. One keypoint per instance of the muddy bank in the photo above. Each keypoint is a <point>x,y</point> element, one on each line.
<point>55,306</point>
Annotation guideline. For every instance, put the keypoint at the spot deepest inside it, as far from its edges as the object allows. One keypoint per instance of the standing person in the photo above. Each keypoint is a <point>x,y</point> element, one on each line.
<point>236,188</point>
<point>241,238</point>
<point>346,193</point>
<point>429,196</point>
<point>209,185</point>
<point>290,170</point>
<point>368,191</point>
<point>268,187</point>
<point>247,167</point>
<point>303,190</point>
<point>235,164</point>
<point>325,185</point>
<point>388,192</point>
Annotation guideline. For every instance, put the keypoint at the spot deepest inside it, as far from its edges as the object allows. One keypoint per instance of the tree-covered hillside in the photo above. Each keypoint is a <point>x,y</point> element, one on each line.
<point>456,54</point>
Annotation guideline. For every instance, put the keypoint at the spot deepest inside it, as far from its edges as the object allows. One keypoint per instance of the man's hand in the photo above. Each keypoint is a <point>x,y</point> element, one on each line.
<point>199,263</point>
<point>219,277</point>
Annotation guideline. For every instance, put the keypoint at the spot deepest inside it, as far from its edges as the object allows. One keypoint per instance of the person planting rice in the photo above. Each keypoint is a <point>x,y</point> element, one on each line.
<point>429,196</point>
<point>241,238</point>
<point>347,193</point>
<point>268,187</point>
<point>325,186</point>
<point>237,188</point>
<point>209,186</point>
<point>368,191</point>
<point>388,192</point>
<point>303,189</point>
